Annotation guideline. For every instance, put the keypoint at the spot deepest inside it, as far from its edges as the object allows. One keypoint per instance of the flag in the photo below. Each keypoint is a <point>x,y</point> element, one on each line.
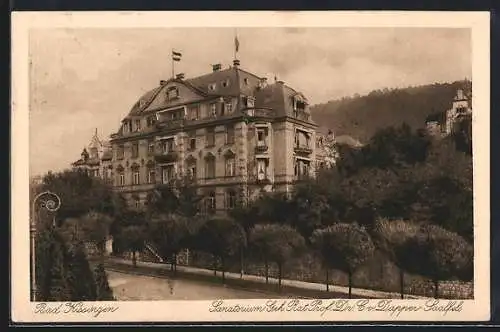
<point>236,43</point>
<point>176,56</point>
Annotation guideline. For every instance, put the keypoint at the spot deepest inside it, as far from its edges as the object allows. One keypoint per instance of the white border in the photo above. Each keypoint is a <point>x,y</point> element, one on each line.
<point>191,311</point>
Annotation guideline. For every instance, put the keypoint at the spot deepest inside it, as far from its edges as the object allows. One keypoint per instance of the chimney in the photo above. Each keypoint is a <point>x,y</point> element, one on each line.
<point>236,62</point>
<point>216,67</point>
<point>180,76</point>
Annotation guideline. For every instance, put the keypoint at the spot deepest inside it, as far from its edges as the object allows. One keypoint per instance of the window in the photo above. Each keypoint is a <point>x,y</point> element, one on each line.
<point>137,203</point>
<point>228,108</point>
<point>302,139</point>
<point>245,81</point>
<point>261,136</point>
<point>213,110</point>
<point>302,168</point>
<point>262,169</point>
<point>229,134</point>
<point>191,170</point>
<point>135,176</point>
<point>192,141</point>
<point>210,167</point>
<point>151,120</point>
<point>168,173</point>
<point>151,147</point>
<point>194,112</point>
<point>211,202</point>
<point>168,145</point>
<point>211,87</point>
<point>121,179</point>
<point>172,93</point>
<point>137,125</point>
<point>120,152</point>
<point>230,199</point>
<point>135,150</point>
<point>230,166</point>
<point>210,137</point>
<point>151,175</point>
<point>126,127</point>
<point>225,83</point>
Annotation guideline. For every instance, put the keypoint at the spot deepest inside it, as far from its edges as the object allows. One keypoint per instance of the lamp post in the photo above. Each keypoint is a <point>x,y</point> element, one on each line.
<point>50,202</point>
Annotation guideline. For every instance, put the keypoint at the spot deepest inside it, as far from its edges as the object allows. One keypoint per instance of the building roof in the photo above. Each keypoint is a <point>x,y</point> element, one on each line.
<point>276,96</point>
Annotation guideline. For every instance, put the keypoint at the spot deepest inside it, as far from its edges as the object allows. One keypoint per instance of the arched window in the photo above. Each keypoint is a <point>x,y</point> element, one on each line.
<point>210,201</point>
<point>230,163</point>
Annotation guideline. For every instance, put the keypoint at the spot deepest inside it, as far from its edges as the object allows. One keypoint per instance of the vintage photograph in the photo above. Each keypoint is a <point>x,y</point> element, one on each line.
<point>251,162</point>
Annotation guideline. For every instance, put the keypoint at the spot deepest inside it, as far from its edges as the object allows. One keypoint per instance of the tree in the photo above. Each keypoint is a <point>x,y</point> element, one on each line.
<point>441,255</point>
<point>223,238</point>
<point>92,227</point>
<point>80,193</point>
<point>391,237</point>
<point>103,291</point>
<point>344,246</point>
<point>132,239</point>
<point>51,266</point>
<point>180,197</point>
<point>275,243</point>
<point>80,276</point>
<point>309,207</point>
<point>170,234</point>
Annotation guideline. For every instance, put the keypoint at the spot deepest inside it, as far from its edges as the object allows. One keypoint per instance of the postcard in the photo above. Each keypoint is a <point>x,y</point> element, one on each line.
<point>250,166</point>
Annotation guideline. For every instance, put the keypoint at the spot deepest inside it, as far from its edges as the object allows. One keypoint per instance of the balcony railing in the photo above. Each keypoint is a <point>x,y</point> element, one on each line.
<point>171,124</point>
<point>261,147</point>
<point>259,112</point>
<point>302,149</point>
<point>162,155</point>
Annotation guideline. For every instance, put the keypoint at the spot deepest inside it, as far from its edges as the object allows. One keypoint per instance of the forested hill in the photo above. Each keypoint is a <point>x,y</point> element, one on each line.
<point>362,116</point>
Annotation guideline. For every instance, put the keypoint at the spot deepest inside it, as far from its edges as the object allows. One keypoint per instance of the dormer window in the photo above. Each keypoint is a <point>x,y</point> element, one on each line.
<point>245,81</point>
<point>172,93</point>
<point>211,87</point>
<point>138,125</point>
<point>225,83</point>
<point>213,110</point>
<point>142,103</point>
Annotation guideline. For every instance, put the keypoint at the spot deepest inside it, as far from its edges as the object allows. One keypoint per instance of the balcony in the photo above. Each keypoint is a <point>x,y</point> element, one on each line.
<point>302,149</point>
<point>171,124</point>
<point>166,156</point>
<point>261,147</point>
<point>259,112</point>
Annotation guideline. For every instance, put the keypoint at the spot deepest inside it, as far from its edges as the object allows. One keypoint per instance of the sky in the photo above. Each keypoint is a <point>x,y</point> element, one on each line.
<point>83,79</point>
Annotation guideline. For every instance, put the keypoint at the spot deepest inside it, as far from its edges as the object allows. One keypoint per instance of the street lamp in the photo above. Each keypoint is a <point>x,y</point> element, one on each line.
<point>50,202</point>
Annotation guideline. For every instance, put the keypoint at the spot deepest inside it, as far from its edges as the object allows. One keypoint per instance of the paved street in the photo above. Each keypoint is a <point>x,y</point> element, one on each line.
<point>140,287</point>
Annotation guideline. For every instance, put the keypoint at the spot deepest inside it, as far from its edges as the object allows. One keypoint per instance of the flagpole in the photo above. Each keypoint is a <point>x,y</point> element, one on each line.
<point>235,38</point>
<point>172,57</point>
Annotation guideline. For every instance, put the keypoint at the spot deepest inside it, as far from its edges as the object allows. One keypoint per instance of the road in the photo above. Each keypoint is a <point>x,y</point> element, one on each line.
<point>134,287</point>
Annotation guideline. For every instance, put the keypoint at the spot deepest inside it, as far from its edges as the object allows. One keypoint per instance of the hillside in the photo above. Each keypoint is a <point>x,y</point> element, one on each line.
<point>362,116</point>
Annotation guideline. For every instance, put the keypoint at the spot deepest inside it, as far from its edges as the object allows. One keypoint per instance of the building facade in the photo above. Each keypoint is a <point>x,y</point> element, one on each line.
<point>96,158</point>
<point>229,131</point>
<point>443,124</point>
